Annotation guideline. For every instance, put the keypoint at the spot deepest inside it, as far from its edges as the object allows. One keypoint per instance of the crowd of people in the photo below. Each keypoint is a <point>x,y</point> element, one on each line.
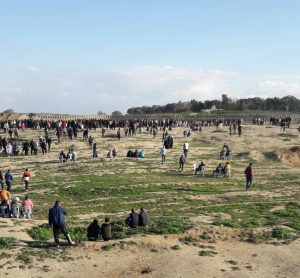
<point>13,207</point>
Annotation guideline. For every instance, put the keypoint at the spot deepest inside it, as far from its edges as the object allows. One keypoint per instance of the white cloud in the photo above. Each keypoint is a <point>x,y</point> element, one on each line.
<point>120,89</point>
<point>32,69</point>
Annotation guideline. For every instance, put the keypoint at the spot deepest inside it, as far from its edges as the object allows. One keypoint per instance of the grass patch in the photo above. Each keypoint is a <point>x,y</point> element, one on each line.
<point>7,242</point>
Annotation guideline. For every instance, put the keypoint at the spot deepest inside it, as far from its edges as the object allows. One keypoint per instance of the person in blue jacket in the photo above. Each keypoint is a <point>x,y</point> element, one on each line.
<point>9,179</point>
<point>142,154</point>
<point>57,221</point>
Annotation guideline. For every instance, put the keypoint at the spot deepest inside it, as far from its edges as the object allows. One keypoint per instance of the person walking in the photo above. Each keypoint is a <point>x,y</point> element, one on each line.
<point>26,177</point>
<point>56,218</point>
<point>249,176</point>
<point>9,179</point>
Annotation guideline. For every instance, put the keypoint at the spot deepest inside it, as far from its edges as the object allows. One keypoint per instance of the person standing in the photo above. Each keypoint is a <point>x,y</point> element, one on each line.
<point>9,179</point>
<point>181,162</point>
<point>95,154</point>
<point>163,153</point>
<point>26,177</point>
<point>240,130</point>
<point>56,218</point>
<point>249,176</point>
<point>186,148</point>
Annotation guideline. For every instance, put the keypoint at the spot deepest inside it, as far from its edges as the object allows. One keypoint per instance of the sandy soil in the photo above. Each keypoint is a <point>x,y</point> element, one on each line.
<point>155,256</point>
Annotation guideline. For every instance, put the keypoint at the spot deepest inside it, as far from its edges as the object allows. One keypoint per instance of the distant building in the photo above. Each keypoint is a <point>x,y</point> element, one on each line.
<point>213,108</point>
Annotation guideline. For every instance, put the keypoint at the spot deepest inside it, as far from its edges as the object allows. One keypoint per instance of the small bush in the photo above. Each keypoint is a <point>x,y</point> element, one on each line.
<point>6,242</point>
<point>281,233</point>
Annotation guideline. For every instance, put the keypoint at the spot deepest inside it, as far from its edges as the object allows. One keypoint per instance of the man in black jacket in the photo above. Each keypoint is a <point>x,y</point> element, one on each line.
<point>93,231</point>
<point>143,218</point>
<point>106,230</point>
<point>133,219</point>
<point>57,220</point>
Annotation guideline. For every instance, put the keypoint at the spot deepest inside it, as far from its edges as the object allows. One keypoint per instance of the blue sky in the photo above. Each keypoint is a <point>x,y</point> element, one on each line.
<point>85,56</point>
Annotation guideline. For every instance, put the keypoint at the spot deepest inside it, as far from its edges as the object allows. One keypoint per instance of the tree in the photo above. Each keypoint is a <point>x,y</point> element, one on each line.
<point>100,113</point>
<point>117,113</point>
<point>289,102</point>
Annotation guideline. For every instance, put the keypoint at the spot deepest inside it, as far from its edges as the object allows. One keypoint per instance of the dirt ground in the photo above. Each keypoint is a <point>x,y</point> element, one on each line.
<point>169,256</point>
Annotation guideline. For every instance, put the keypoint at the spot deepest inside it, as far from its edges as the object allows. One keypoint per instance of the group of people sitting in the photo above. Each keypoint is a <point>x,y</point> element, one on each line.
<point>199,169</point>
<point>222,171</point>
<point>134,220</point>
<point>13,207</point>
<point>225,153</point>
<point>111,153</point>
<point>187,133</point>
<point>70,156</point>
<point>136,153</point>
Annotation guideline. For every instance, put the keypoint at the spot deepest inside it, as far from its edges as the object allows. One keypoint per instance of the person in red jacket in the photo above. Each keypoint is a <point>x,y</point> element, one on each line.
<point>249,176</point>
<point>26,177</point>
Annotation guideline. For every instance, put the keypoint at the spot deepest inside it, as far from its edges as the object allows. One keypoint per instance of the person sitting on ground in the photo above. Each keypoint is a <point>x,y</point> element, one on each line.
<point>142,154</point>
<point>69,156</point>
<point>106,230</point>
<point>222,154</point>
<point>15,208</point>
<point>27,207</point>
<point>4,208</point>
<point>62,157</point>
<point>200,169</point>
<point>109,154</point>
<point>133,219</point>
<point>219,171</point>
<point>143,218</point>
<point>136,153</point>
<point>225,147</point>
<point>129,153</point>
<point>93,231</point>
<point>228,154</point>
<point>114,152</point>
<point>4,195</point>
<point>227,170</point>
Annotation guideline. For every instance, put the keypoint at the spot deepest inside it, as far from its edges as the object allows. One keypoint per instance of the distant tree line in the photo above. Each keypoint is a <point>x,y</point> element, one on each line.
<point>287,103</point>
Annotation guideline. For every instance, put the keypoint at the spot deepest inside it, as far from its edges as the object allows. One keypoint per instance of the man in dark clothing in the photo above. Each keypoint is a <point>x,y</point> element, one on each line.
<point>93,231</point>
<point>249,176</point>
<point>181,162</point>
<point>143,218</point>
<point>57,220</point>
<point>1,180</point>
<point>49,142</point>
<point>106,230</point>
<point>240,130</point>
<point>133,219</point>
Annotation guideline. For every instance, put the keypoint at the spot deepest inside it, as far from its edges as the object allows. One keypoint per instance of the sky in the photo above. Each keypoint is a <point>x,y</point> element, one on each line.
<point>81,57</point>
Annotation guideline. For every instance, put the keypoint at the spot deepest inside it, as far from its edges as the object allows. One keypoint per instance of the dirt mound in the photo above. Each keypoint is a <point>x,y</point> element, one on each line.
<point>287,156</point>
<point>252,155</point>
